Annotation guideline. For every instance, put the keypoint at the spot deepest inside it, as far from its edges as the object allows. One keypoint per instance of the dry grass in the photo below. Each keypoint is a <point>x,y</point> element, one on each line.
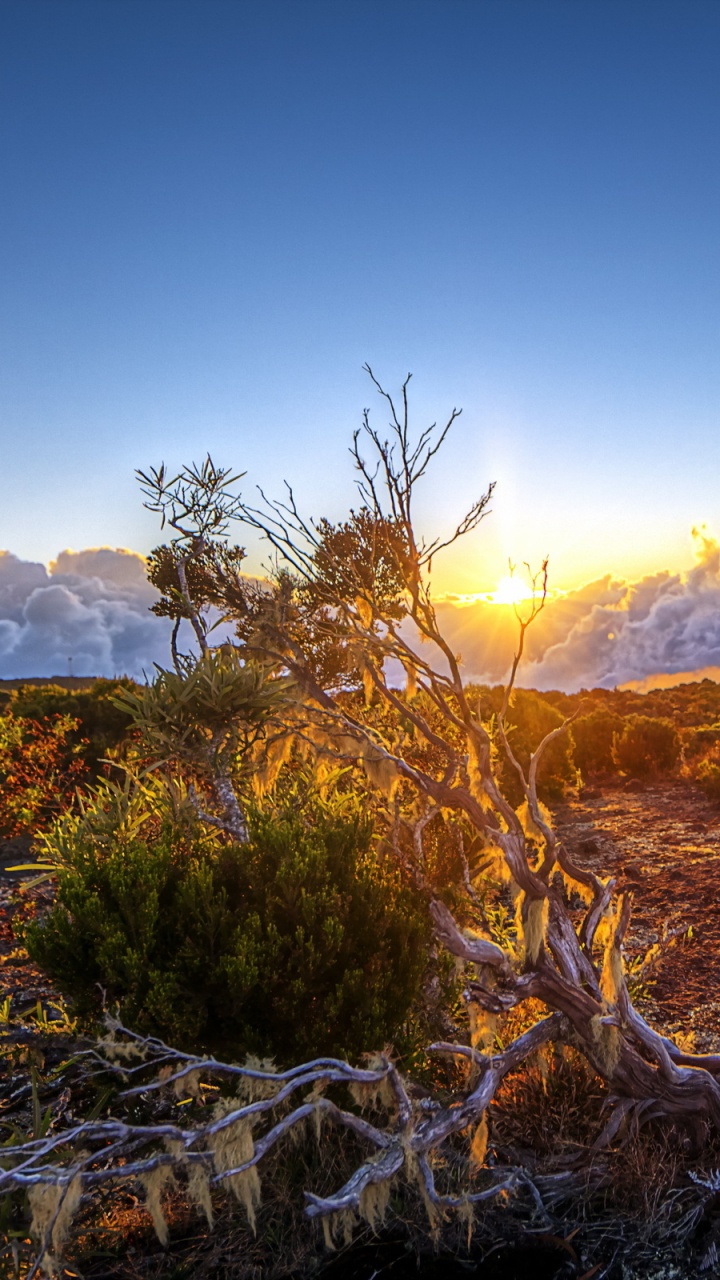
<point>116,1239</point>
<point>549,1114</point>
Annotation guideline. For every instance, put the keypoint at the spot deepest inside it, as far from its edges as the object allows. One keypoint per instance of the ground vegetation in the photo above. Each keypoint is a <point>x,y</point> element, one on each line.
<point>546,983</point>
<point>280,946</point>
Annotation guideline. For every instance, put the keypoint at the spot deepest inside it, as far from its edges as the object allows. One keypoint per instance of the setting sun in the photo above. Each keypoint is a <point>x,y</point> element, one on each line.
<point>511,590</point>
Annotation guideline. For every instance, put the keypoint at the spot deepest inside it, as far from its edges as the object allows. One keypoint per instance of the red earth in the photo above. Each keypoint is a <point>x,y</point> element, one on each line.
<point>662,842</point>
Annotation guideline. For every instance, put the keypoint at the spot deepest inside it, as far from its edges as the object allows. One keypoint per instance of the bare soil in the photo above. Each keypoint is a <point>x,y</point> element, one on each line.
<point>662,843</point>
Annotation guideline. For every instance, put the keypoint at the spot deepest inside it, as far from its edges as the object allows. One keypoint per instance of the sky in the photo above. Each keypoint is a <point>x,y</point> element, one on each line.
<point>214,214</point>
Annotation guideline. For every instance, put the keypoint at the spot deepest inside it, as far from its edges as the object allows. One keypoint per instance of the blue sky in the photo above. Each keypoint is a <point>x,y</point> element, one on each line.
<point>213,213</point>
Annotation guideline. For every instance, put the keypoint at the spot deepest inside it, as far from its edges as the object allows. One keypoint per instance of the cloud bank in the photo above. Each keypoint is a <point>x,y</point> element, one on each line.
<point>608,633</point>
<point>89,613</point>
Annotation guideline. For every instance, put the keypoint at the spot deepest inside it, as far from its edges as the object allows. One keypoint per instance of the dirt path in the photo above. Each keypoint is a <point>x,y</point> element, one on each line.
<point>663,842</point>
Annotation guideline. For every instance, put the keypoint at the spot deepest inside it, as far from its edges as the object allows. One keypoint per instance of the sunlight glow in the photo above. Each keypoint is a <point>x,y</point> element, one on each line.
<point>511,590</point>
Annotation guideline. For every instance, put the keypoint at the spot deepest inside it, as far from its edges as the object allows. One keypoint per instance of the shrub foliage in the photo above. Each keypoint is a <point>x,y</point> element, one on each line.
<point>705,771</point>
<point>280,946</point>
<point>530,718</point>
<point>647,747</point>
<point>40,767</point>
<point>592,738</point>
<point>101,723</point>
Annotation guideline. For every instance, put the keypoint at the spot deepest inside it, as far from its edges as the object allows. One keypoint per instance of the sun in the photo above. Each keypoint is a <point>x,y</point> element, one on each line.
<point>511,590</point>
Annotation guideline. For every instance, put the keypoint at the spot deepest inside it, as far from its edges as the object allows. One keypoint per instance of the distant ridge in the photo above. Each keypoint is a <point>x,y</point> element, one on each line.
<point>65,682</point>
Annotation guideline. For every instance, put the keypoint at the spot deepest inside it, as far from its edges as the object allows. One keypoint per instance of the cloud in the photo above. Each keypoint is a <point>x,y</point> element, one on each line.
<point>663,625</point>
<point>89,613</point>
<point>663,681</point>
<point>117,565</point>
<point>486,634</point>
<point>607,633</point>
<point>92,608</point>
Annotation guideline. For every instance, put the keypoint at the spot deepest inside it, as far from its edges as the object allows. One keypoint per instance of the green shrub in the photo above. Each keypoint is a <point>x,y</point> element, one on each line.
<point>647,746</point>
<point>297,944</point>
<point>592,737</point>
<point>529,719</point>
<point>705,771</point>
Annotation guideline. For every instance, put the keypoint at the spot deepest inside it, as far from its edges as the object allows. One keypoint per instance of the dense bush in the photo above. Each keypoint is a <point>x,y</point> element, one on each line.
<point>101,723</point>
<point>592,737</point>
<point>300,943</point>
<point>707,775</point>
<point>700,741</point>
<point>701,753</point>
<point>647,747</point>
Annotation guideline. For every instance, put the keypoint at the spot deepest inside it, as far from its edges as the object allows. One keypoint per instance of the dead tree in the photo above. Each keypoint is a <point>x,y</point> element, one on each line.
<point>585,992</point>
<point>342,602</point>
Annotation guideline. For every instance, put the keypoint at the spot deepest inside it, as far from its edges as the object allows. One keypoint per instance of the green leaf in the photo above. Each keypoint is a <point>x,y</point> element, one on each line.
<point>33,866</point>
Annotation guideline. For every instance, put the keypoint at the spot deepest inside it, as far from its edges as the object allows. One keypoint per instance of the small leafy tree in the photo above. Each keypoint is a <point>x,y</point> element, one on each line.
<point>197,568</point>
<point>212,710</point>
<point>208,719</point>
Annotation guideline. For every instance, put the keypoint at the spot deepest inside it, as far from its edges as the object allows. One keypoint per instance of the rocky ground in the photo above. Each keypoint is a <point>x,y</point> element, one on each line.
<point>661,842</point>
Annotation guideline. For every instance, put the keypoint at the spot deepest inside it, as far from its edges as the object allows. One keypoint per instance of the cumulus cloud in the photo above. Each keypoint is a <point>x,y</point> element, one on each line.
<point>92,609</point>
<point>608,633</point>
<point>109,564</point>
<point>663,625</point>
<point>89,613</point>
<point>485,634</point>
